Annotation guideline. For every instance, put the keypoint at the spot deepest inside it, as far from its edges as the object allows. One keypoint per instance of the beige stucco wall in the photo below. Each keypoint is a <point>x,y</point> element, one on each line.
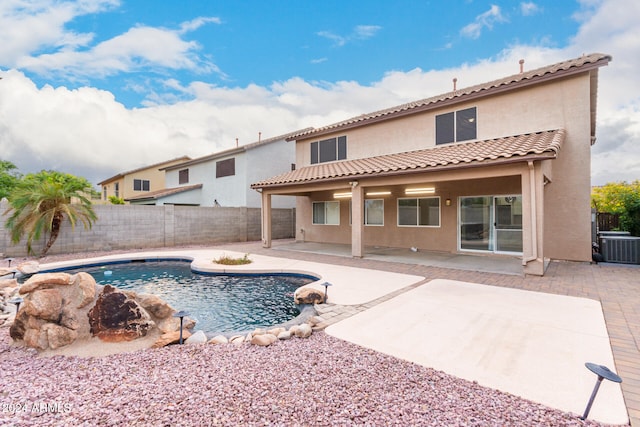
<point>562,103</point>
<point>154,175</point>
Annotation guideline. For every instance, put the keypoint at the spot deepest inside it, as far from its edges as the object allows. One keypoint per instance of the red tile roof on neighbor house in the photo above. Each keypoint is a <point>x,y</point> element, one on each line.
<point>561,69</point>
<point>539,145</point>
<point>152,195</point>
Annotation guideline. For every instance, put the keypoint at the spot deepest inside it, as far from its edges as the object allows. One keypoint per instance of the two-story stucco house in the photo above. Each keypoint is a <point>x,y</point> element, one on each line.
<point>139,181</point>
<point>224,178</point>
<point>500,169</point>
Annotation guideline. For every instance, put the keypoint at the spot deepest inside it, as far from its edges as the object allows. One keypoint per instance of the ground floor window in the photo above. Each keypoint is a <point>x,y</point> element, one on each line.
<point>419,212</point>
<point>491,223</point>
<point>374,212</point>
<point>326,213</point>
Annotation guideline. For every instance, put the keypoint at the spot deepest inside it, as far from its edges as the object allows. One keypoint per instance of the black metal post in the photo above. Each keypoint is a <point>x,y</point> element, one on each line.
<point>181,314</point>
<point>181,318</point>
<point>592,398</point>
<point>326,287</point>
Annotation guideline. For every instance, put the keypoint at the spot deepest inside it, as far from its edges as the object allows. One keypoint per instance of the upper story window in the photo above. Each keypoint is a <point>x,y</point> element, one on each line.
<point>140,185</point>
<point>456,126</point>
<point>329,150</point>
<point>183,176</point>
<point>226,167</point>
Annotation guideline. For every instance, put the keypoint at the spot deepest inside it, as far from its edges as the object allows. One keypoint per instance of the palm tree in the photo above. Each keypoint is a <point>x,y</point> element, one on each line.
<point>42,201</point>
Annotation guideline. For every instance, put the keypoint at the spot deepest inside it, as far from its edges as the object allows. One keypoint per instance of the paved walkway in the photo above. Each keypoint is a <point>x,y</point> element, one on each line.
<point>617,287</point>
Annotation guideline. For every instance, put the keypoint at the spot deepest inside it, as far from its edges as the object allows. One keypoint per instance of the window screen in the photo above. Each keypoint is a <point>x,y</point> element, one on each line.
<point>226,168</point>
<point>445,128</point>
<point>466,124</point>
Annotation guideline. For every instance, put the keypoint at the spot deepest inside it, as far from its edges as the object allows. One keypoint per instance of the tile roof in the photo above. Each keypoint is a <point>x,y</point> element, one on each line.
<point>529,146</point>
<point>164,192</point>
<point>581,64</point>
<point>236,150</point>
<point>122,174</point>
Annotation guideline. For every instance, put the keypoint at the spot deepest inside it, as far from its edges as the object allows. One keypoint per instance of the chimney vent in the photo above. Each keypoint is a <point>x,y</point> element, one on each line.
<point>521,66</point>
<point>455,81</point>
<point>236,142</point>
<point>259,136</point>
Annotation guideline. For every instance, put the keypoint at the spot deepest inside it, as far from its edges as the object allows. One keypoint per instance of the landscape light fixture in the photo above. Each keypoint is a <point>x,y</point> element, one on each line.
<point>181,314</point>
<point>602,372</point>
<point>9,261</point>
<point>17,301</point>
<point>326,286</point>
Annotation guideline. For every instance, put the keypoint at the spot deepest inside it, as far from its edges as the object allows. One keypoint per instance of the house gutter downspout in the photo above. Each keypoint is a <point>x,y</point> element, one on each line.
<point>534,219</point>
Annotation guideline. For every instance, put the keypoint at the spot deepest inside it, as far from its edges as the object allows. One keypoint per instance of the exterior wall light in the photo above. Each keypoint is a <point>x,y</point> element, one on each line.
<point>379,193</point>
<point>447,202</point>
<point>342,195</point>
<point>425,190</point>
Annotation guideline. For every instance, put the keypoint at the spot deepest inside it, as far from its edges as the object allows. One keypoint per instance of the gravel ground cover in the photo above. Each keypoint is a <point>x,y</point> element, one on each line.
<point>319,381</point>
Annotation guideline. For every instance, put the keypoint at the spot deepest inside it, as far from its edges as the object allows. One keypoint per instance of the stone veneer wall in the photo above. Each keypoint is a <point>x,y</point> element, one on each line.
<point>136,227</point>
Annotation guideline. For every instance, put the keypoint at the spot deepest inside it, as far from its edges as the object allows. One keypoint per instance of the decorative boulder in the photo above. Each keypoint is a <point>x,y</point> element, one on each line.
<point>60,308</point>
<point>197,338</point>
<point>303,331</point>
<point>45,304</point>
<point>284,335</point>
<point>46,281</point>
<point>59,336</point>
<point>170,338</point>
<point>308,295</point>
<point>237,339</point>
<point>264,339</point>
<point>87,287</point>
<point>29,267</point>
<point>155,306</point>
<point>219,339</point>
<point>116,317</point>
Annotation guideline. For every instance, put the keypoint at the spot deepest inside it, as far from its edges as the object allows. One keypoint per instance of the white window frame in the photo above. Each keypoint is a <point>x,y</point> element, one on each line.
<point>418,212</point>
<point>366,212</point>
<point>326,204</point>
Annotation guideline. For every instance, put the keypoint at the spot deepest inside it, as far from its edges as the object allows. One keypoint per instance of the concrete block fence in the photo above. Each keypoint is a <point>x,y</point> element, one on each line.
<point>137,227</point>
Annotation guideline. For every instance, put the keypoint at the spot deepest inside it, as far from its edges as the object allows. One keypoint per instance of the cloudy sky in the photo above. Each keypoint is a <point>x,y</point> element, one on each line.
<point>98,87</point>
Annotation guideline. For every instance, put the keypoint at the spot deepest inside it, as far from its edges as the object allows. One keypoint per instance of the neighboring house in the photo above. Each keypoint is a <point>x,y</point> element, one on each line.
<point>223,178</point>
<point>499,169</point>
<point>138,181</point>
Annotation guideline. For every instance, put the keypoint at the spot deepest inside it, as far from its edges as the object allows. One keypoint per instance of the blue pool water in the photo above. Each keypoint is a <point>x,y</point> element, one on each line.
<point>218,303</point>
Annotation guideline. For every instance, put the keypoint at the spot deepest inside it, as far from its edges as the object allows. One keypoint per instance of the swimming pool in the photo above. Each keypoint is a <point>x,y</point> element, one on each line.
<point>218,303</point>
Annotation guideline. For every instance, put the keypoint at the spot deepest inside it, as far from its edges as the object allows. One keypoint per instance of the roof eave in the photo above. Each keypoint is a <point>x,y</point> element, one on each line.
<point>476,164</point>
<point>456,99</point>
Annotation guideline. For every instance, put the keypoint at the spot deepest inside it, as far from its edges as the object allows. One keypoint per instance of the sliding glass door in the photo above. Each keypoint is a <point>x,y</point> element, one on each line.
<point>491,223</point>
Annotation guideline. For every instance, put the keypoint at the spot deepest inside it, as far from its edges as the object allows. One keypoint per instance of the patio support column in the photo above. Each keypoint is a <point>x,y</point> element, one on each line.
<point>357,220</point>
<point>266,220</point>
<point>533,225</point>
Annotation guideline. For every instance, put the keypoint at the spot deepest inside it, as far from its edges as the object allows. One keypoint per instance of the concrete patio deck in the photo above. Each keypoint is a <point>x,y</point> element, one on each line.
<point>615,286</point>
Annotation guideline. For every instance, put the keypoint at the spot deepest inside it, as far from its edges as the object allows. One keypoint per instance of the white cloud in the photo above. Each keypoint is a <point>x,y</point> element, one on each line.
<point>529,8</point>
<point>360,32</point>
<point>482,21</point>
<point>30,25</point>
<point>34,37</point>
